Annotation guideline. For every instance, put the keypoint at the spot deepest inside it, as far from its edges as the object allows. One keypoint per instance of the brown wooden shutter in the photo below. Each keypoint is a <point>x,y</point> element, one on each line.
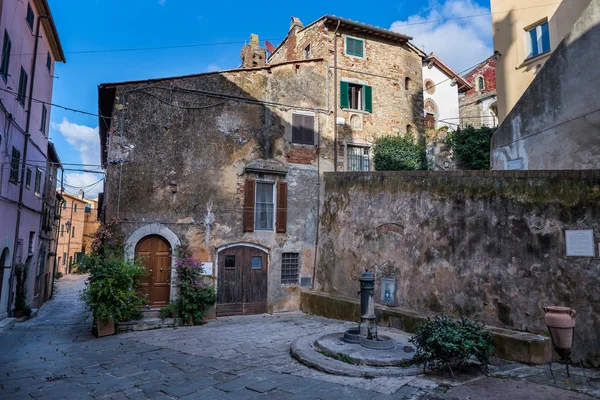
<point>248,217</point>
<point>281,207</point>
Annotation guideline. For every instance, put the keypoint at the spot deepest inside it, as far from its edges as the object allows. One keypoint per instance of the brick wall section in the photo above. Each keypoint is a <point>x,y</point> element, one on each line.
<point>485,244</point>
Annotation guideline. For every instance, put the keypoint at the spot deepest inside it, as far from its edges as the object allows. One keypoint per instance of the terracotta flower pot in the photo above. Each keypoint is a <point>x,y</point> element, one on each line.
<point>19,313</point>
<point>105,328</point>
<point>560,321</point>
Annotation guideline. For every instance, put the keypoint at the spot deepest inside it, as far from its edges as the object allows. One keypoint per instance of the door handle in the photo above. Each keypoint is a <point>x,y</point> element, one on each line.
<point>161,270</point>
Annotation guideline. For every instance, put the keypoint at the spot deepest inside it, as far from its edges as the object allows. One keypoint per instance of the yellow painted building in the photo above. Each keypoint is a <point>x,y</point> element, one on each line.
<point>70,235</point>
<point>90,225</point>
<point>526,32</point>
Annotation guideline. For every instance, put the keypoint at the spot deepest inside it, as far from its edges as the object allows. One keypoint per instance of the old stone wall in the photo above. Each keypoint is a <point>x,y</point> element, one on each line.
<point>184,144</point>
<point>556,122</point>
<point>485,244</point>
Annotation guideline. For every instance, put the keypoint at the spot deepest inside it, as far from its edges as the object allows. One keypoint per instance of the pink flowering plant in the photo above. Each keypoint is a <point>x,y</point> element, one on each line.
<point>194,294</point>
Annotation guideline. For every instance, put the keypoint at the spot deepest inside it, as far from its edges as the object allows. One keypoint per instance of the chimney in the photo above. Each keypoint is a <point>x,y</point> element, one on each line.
<point>253,55</point>
<point>295,26</point>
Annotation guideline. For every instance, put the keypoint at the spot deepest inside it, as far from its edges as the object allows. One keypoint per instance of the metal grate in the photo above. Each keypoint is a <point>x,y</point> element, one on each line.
<point>358,158</point>
<point>289,268</point>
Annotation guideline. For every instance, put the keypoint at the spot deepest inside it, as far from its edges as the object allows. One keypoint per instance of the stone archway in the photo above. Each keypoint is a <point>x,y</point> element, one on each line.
<point>154,229</point>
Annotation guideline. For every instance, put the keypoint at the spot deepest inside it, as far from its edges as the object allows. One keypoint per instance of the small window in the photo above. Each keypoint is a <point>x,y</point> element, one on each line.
<point>303,129</point>
<point>49,62</point>
<point>62,231</point>
<point>429,86</point>
<point>74,207</point>
<point>38,182</point>
<point>88,208</point>
<point>356,97</point>
<point>28,179</point>
<point>64,259</point>
<point>407,83</point>
<point>537,40</point>
<point>64,205</point>
<point>30,17</point>
<point>15,160</point>
<point>22,88</point>
<point>307,51</point>
<point>289,268</point>
<point>72,231</point>
<point>44,117</point>
<point>409,129</point>
<point>355,47</point>
<point>31,239</point>
<point>358,158</point>
<point>256,262</point>
<point>480,83</point>
<point>263,218</point>
<point>6,45</point>
<point>229,262</point>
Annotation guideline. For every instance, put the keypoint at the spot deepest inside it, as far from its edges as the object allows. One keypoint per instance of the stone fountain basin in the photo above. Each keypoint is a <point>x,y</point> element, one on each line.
<point>334,346</point>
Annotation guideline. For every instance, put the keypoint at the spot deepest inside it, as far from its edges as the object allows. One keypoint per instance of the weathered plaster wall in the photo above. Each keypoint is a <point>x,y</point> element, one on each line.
<point>556,123</point>
<point>484,244</point>
<point>478,107</point>
<point>445,96</point>
<point>184,165</point>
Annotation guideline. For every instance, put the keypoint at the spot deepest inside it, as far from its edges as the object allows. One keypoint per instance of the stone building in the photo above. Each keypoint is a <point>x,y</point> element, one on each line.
<point>229,162</point>
<point>479,105</point>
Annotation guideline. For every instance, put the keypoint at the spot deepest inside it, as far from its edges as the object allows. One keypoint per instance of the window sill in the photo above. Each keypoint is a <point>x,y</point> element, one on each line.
<point>353,56</point>
<point>352,110</point>
<point>532,60</point>
<point>303,144</point>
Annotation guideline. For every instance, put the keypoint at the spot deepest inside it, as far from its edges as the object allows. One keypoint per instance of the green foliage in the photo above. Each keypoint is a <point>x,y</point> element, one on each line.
<point>21,272</point>
<point>109,240</point>
<point>471,147</point>
<point>445,341</point>
<point>170,310</point>
<point>58,275</point>
<point>399,153</point>
<point>111,290</point>
<point>194,294</point>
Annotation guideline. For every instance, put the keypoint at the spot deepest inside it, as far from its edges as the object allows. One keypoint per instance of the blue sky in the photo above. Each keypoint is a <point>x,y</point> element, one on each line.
<point>109,24</point>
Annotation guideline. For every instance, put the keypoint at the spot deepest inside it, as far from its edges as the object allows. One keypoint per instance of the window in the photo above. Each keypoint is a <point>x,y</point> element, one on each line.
<point>72,231</point>
<point>49,62</point>
<point>64,258</point>
<point>358,158</point>
<point>303,129</point>
<point>289,268</point>
<point>6,45</point>
<point>355,47</point>
<point>407,83</point>
<point>307,51</point>
<point>264,207</point>
<point>429,86</point>
<point>356,97</point>
<point>88,208</point>
<point>31,239</point>
<point>229,262</point>
<point>30,17</point>
<point>74,207</point>
<point>44,117</point>
<point>264,214</point>
<point>38,182</point>
<point>15,160</point>
<point>28,179</point>
<point>62,231</point>
<point>480,83</point>
<point>64,205</point>
<point>256,262</point>
<point>409,129</point>
<point>22,87</point>
<point>537,40</point>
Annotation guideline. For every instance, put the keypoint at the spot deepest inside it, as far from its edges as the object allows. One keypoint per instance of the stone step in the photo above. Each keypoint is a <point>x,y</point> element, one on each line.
<point>146,324</point>
<point>151,313</point>
<point>6,324</point>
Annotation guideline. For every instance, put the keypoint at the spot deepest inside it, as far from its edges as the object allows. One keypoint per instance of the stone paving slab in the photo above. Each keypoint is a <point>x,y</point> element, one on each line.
<point>54,356</point>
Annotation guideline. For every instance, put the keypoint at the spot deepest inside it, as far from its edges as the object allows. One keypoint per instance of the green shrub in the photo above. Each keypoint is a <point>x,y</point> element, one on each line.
<point>194,294</point>
<point>444,341</point>
<point>111,291</point>
<point>399,153</point>
<point>471,147</point>
<point>58,275</point>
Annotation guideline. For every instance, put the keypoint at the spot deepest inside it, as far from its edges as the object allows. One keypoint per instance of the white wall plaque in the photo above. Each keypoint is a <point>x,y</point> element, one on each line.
<point>580,243</point>
<point>341,121</point>
<point>515,164</point>
<point>208,268</point>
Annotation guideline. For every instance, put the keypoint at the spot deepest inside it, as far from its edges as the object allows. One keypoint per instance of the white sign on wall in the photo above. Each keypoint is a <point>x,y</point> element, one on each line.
<point>208,268</point>
<point>580,243</point>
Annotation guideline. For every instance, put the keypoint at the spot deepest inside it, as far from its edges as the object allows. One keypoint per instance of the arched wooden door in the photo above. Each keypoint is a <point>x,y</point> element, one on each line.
<point>155,254</point>
<point>242,281</point>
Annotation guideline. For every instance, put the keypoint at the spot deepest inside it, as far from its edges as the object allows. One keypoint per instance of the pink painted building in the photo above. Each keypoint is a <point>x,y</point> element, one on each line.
<point>29,48</point>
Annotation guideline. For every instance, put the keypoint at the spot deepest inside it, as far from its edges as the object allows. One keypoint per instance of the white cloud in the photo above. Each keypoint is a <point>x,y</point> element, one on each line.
<point>83,138</point>
<point>212,68</point>
<point>88,182</point>
<point>461,43</point>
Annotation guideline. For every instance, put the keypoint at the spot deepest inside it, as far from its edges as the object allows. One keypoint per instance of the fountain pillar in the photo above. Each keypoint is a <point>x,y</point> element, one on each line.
<point>368,326</point>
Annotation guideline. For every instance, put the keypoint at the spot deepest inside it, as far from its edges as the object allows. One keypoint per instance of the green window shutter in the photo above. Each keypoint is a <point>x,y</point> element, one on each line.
<point>358,48</point>
<point>368,99</point>
<point>344,101</point>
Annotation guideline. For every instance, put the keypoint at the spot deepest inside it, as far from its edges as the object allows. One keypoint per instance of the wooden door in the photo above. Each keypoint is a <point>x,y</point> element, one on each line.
<point>242,281</point>
<point>429,121</point>
<point>155,254</point>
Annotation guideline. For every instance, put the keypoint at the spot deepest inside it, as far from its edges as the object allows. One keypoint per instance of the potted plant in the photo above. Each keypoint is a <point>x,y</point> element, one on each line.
<point>111,294</point>
<point>21,307</point>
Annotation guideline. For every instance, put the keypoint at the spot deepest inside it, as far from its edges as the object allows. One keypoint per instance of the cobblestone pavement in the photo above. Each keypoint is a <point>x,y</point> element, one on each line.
<point>55,356</point>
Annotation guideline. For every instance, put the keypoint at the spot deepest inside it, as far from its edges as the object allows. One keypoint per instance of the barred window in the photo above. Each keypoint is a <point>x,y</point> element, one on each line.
<point>289,268</point>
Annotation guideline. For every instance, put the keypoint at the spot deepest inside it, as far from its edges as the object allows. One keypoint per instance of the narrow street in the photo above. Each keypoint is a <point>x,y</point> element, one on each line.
<point>54,356</point>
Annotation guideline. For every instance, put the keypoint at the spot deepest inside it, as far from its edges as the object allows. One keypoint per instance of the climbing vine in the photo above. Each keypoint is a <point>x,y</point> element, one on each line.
<point>471,147</point>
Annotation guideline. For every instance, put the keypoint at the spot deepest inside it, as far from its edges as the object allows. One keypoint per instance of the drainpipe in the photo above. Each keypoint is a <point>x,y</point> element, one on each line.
<point>24,162</point>
<point>335,99</point>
